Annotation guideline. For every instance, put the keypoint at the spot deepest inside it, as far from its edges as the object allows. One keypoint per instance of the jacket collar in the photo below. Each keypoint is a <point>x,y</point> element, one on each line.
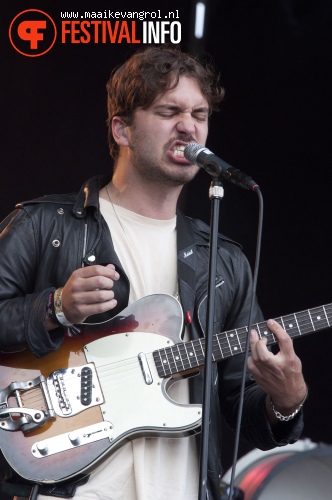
<point>88,195</point>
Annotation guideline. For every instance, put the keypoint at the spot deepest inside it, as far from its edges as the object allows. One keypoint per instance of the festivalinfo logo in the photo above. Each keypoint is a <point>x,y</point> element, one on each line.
<point>33,32</point>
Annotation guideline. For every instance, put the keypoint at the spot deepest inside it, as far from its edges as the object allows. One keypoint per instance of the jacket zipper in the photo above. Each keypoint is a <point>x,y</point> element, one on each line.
<point>219,283</point>
<point>85,242</point>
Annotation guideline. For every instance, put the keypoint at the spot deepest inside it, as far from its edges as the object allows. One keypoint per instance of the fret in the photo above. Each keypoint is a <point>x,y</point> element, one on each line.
<point>319,318</point>
<point>164,364</point>
<point>313,326</point>
<point>279,321</point>
<point>169,360</point>
<point>177,358</point>
<point>282,323</point>
<point>159,363</point>
<point>257,328</point>
<point>238,339</point>
<point>228,348</point>
<point>291,325</point>
<point>172,359</point>
<point>328,308</point>
<point>271,339</point>
<point>233,343</point>
<point>190,353</point>
<point>184,356</point>
<point>297,323</point>
<point>200,351</point>
<point>213,350</point>
<point>305,323</point>
<point>327,319</point>
<point>242,333</point>
<point>220,349</point>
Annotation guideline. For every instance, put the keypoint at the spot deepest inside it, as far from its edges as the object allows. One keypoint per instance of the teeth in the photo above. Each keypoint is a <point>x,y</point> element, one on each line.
<point>178,151</point>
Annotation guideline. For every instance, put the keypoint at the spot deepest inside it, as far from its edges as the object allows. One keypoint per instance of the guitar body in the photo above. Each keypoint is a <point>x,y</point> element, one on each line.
<point>62,415</point>
<point>102,389</point>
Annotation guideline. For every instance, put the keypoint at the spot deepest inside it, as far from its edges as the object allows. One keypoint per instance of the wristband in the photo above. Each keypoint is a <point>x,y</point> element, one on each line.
<point>287,418</point>
<point>59,314</point>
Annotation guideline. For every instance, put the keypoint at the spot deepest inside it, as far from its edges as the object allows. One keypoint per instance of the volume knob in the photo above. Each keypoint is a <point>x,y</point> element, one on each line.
<point>74,438</point>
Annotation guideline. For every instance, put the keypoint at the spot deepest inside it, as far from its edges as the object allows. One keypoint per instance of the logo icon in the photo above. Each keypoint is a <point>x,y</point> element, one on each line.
<point>32,33</point>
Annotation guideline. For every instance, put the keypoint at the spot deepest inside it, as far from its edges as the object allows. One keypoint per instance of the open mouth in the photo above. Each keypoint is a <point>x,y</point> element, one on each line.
<point>178,151</point>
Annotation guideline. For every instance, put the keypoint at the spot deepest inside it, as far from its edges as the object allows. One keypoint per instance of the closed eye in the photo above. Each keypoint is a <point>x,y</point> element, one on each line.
<point>201,117</point>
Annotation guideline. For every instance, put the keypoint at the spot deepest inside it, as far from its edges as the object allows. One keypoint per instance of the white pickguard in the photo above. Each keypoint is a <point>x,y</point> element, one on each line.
<point>132,405</point>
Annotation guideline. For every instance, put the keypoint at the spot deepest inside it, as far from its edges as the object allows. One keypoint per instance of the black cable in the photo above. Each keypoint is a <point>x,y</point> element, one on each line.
<point>34,492</point>
<point>254,287</point>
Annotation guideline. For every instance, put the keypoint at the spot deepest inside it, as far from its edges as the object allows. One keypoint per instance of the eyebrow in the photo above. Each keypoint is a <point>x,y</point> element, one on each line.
<point>175,107</point>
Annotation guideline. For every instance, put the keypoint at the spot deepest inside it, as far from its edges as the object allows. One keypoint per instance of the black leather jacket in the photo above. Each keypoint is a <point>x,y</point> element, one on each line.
<point>44,240</point>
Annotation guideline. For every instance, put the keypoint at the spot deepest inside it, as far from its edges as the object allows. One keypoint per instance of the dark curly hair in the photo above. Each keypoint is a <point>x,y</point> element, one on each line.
<point>151,72</point>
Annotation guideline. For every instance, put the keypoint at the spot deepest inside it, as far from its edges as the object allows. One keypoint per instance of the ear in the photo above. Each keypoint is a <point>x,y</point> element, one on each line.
<point>119,131</point>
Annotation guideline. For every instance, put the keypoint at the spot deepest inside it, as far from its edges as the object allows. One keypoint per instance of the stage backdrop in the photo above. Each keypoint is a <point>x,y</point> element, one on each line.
<point>274,124</point>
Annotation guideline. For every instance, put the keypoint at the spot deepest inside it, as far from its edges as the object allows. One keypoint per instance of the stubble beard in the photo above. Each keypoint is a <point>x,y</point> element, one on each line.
<point>161,170</point>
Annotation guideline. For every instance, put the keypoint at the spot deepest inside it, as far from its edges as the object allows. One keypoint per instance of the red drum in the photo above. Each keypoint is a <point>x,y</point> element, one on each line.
<point>287,473</point>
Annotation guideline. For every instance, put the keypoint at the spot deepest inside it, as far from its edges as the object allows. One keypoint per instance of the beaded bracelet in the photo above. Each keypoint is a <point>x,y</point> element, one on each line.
<point>287,418</point>
<point>50,310</point>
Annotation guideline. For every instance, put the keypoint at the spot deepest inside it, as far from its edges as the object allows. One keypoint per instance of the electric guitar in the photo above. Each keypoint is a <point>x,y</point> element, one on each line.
<point>62,415</point>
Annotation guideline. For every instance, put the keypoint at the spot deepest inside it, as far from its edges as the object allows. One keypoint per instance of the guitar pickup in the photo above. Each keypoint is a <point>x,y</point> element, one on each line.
<point>75,389</point>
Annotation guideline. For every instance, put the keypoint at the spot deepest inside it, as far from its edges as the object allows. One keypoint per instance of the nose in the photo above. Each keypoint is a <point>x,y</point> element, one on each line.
<point>186,125</point>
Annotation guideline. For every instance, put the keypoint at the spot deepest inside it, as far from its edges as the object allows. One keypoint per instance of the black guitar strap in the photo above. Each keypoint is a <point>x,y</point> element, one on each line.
<point>186,263</point>
<point>15,486</point>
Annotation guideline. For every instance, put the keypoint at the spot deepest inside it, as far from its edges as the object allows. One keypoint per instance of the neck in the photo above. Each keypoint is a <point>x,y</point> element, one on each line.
<point>156,202</point>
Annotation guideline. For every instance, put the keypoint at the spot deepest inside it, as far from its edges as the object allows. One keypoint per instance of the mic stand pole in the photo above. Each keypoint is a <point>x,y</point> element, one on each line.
<point>216,193</point>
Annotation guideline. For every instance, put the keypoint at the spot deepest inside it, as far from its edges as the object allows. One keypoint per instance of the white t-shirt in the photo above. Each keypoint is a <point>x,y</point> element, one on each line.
<point>146,468</point>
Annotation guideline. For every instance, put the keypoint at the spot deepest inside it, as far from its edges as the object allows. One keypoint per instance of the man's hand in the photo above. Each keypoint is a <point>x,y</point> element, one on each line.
<point>279,375</point>
<point>89,291</point>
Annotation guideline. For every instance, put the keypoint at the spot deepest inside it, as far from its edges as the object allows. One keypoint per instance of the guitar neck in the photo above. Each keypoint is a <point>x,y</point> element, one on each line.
<point>189,356</point>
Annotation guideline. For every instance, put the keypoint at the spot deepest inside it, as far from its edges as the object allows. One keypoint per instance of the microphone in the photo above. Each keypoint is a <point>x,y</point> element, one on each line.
<point>202,157</point>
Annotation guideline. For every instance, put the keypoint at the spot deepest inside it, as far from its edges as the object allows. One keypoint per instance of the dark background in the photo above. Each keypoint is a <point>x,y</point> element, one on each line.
<point>275,123</point>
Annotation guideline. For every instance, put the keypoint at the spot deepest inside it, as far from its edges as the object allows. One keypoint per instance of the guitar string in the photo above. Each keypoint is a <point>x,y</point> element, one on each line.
<point>128,366</point>
<point>219,341</point>
<point>123,366</point>
<point>301,317</point>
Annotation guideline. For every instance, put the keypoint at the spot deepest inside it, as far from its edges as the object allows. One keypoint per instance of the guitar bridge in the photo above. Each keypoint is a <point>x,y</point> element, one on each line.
<point>20,417</point>
<point>73,390</point>
<point>65,393</point>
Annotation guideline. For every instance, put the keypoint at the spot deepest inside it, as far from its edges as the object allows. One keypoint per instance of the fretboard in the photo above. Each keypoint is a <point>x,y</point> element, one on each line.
<point>190,355</point>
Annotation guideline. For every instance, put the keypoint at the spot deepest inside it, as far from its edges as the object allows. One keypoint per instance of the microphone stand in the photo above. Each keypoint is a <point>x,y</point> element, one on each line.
<point>216,193</point>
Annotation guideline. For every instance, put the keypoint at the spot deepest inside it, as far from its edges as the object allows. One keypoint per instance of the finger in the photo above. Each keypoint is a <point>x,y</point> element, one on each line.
<point>97,270</point>
<point>93,297</point>
<point>98,283</point>
<point>92,279</point>
<point>284,340</point>
<point>257,344</point>
<point>79,315</point>
<point>97,308</point>
<point>114,274</point>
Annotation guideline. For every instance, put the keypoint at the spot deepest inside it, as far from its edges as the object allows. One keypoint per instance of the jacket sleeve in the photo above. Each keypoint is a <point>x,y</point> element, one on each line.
<point>255,426</point>
<point>22,308</point>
